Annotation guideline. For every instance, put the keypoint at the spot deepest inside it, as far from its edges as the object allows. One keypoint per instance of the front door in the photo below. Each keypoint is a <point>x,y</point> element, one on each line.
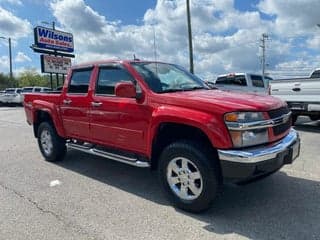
<point>118,122</point>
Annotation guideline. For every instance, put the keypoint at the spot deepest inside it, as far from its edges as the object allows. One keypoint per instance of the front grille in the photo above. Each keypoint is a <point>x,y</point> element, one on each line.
<point>277,130</point>
<point>278,112</point>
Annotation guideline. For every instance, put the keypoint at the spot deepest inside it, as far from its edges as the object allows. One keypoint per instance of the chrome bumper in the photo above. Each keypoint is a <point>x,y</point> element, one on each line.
<point>291,143</point>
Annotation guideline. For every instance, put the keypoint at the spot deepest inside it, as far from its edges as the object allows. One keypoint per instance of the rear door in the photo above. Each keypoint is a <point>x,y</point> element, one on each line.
<point>118,122</point>
<point>75,104</point>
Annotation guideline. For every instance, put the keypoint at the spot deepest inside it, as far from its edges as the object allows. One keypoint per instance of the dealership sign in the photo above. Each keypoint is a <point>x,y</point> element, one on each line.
<point>47,38</point>
<point>52,64</point>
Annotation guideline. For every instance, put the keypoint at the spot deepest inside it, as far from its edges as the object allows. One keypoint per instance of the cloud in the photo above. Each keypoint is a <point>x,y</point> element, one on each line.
<point>21,57</point>
<point>224,38</point>
<point>4,64</point>
<point>13,26</point>
<point>292,17</point>
<point>12,2</point>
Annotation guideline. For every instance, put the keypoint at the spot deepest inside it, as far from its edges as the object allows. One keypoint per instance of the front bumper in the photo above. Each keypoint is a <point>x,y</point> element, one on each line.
<point>251,163</point>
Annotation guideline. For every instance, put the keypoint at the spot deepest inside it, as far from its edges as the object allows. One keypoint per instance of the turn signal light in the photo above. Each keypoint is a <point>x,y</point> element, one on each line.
<point>231,117</point>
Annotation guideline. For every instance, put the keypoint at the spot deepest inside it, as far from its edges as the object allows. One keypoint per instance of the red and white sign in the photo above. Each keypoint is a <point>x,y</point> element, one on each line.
<point>52,64</point>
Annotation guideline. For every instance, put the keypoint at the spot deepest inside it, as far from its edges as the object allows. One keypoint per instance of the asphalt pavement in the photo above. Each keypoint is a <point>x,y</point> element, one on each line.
<point>87,197</point>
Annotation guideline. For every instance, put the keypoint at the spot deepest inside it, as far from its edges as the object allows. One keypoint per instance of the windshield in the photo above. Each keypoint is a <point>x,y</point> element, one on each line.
<point>162,77</point>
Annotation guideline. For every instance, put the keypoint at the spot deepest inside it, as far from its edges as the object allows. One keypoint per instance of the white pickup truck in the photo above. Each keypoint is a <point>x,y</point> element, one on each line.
<point>301,94</point>
<point>243,82</point>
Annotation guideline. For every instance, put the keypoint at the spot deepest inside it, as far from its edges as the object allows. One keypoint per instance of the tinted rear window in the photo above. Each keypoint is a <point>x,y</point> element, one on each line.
<point>239,80</point>
<point>80,81</point>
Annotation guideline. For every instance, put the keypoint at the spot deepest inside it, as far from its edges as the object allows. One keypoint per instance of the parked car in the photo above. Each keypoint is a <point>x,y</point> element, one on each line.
<point>11,96</point>
<point>244,82</point>
<point>35,89</point>
<point>301,94</point>
<point>160,116</point>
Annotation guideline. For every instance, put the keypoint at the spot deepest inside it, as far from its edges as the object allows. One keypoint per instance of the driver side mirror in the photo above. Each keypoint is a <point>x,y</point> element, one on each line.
<point>125,90</point>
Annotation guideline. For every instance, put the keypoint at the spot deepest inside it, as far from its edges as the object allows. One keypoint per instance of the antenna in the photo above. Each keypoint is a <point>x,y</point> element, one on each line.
<point>154,44</point>
<point>155,47</point>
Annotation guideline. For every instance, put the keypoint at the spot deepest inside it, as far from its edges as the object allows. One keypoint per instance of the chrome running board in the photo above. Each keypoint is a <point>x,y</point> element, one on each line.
<point>113,156</point>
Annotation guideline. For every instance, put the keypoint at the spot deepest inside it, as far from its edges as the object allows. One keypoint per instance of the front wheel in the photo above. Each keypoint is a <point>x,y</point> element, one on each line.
<point>51,145</point>
<point>189,175</point>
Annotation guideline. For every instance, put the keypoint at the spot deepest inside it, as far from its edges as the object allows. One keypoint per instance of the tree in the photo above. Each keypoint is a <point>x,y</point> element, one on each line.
<point>30,77</point>
<point>5,81</point>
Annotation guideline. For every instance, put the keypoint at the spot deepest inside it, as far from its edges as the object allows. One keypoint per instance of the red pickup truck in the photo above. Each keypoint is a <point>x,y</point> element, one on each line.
<point>158,115</point>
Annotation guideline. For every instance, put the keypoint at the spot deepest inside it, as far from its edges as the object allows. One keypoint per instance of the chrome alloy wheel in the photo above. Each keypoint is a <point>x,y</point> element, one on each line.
<point>184,178</point>
<point>46,142</point>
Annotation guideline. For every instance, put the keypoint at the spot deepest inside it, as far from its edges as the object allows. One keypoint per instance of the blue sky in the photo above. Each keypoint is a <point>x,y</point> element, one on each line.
<point>226,33</point>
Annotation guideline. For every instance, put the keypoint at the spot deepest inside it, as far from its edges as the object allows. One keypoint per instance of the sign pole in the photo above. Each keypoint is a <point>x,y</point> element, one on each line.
<point>55,54</point>
<point>51,80</point>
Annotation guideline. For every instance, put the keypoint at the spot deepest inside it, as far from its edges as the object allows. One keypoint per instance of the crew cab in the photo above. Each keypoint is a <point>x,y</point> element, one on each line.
<point>301,94</point>
<point>158,115</point>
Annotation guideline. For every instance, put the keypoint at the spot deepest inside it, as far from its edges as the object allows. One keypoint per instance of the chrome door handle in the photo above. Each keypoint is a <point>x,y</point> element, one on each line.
<point>67,101</point>
<point>96,104</point>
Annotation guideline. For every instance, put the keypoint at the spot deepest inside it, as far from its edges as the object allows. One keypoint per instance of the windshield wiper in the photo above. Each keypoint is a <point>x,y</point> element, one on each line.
<point>172,90</point>
<point>194,88</point>
<point>183,89</point>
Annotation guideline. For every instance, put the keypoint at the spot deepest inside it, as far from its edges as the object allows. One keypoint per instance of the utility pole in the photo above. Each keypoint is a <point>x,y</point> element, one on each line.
<point>10,57</point>
<point>263,47</point>
<point>190,37</point>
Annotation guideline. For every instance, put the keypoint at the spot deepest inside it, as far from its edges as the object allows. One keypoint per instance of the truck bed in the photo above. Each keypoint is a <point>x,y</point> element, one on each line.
<point>32,99</point>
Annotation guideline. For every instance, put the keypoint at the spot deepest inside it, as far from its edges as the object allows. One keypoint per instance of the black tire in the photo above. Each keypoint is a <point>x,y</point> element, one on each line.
<point>205,160</point>
<point>314,117</point>
<point>294,119</point>
<point>57,150</point>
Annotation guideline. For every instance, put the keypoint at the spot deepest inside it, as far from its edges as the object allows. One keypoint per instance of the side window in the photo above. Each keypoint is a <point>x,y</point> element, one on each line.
<point>315,74</point>
<point>257,81</point>
<point>109,77</point>
<point>37,89</point>
<point>80,81</point>
<point>232,80</point>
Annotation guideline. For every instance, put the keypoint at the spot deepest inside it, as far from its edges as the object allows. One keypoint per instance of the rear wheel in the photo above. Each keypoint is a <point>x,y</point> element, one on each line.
<point>51,145</point>
<point>189,175</point>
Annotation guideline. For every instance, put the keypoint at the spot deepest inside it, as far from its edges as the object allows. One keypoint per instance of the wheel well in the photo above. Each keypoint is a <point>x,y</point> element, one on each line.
<point>40,116</point>
<point>171,132</point>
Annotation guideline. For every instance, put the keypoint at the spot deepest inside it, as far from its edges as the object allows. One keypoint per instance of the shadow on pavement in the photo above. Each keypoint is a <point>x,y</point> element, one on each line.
<point>278,207</point>
<point>305,125</point>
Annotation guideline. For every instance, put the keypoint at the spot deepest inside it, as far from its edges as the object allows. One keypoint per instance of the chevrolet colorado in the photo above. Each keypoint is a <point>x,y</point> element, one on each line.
<point>158,115</point>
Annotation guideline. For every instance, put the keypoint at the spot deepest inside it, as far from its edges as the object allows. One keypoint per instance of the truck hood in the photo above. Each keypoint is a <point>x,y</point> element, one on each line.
<point>219,100</point>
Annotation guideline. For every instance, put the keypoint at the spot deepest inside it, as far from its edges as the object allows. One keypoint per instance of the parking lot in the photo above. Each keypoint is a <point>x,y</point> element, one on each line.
<point>87,197</point>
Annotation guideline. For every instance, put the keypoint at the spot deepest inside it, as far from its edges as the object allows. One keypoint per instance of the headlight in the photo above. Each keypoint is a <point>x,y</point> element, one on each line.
<point>245,128</point>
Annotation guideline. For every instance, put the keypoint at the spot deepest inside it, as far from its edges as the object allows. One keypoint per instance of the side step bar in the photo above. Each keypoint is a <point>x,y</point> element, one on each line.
<point>116,157</point>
